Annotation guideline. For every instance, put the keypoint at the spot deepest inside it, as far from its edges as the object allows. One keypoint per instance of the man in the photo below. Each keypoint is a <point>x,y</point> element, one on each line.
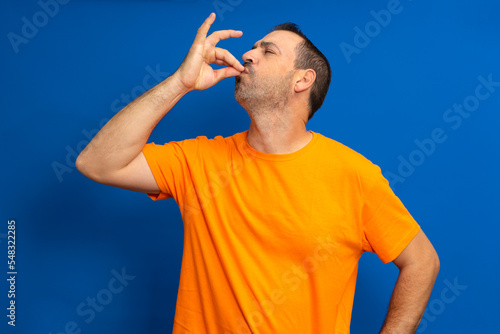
<point>276,217</point>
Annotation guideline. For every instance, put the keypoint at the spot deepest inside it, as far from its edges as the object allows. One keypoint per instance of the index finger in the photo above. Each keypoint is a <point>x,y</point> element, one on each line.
<point>205,27</point>
<point>217,36</point>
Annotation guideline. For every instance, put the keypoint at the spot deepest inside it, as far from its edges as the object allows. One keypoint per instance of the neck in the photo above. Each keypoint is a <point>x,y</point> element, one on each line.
<point>277,132</point>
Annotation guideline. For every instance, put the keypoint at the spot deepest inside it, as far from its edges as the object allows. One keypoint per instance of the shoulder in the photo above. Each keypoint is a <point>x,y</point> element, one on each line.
<point>206,141</point>
<point>220,141</point>
<point>200,145</point>
<point>205,147</point>
<point>354,167</point>
<point>343,156</point>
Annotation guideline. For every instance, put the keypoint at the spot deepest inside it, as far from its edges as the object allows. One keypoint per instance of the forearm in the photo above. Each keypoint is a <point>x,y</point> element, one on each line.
<point>409,298</point>
<point>124,136</point>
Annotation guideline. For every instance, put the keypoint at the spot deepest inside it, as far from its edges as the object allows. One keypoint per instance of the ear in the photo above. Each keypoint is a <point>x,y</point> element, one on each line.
<point>305,80</point>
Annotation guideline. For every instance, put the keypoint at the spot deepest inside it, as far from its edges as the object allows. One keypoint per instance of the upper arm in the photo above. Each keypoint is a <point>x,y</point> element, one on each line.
<point>136,176</point>
<point>419,252</point>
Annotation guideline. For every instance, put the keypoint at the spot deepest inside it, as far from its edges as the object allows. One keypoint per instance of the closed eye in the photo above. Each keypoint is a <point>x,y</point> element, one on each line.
<point>268,47</point>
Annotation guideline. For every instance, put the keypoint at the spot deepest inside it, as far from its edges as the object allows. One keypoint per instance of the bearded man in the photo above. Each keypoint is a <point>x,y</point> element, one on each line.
<point>275,217</point>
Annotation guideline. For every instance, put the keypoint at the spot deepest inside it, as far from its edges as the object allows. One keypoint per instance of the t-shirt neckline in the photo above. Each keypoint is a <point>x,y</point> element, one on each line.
<point>279,157</point>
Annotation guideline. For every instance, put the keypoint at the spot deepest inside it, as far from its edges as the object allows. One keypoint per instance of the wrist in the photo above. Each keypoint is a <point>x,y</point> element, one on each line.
<point>180,87</point>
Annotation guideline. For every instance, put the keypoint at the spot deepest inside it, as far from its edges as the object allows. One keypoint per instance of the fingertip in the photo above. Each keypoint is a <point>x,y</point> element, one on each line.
<point>211,17</point>
<point>236,33</point>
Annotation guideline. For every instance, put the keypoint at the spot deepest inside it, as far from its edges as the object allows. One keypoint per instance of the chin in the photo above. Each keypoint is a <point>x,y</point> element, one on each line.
<point>239,98</point>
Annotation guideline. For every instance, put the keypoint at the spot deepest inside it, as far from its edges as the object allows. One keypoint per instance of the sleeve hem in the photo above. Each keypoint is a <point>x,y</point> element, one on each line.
<point>391,256</point>
<point>153,166</point>
<point>157,197</point>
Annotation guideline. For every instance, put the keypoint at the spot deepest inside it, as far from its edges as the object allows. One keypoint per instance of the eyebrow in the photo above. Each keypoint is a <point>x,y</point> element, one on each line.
<point>266,44</point>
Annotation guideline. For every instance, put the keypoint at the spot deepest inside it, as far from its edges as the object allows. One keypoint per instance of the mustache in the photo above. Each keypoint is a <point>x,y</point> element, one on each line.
<point>248,65</point>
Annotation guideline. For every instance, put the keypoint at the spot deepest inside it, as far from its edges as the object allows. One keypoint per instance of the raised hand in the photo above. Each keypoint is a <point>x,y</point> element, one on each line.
<point>195,72</point>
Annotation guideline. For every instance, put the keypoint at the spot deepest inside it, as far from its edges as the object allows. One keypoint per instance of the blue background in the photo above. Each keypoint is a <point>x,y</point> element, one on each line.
<point>70,76</point>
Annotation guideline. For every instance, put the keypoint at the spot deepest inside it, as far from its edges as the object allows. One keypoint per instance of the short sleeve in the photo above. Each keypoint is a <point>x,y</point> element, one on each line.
<point>387,225</point>
<point>172,165</point>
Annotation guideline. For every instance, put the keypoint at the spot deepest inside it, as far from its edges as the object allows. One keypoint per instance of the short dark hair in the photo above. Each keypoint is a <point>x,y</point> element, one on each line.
<point>308,56</point>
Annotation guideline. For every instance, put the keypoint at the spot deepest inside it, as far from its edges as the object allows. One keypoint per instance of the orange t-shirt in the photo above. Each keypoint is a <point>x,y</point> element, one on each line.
<point>272,241</point>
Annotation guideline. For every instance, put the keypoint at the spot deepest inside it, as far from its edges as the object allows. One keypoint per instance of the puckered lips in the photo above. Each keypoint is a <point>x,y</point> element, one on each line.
<point>247,67</point>
<point>247,70</point>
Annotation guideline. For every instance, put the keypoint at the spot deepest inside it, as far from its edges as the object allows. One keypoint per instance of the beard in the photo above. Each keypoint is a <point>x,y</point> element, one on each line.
<point>257,94</point>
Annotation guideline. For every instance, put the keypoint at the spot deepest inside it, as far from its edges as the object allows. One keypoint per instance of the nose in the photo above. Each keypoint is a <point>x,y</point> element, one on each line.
<point>249,57</point>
